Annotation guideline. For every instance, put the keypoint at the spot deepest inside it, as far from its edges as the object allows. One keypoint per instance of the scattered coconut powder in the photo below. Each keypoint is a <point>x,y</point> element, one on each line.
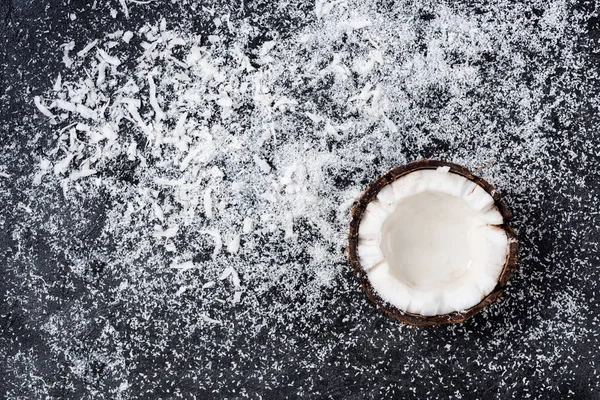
<point>242,167</point>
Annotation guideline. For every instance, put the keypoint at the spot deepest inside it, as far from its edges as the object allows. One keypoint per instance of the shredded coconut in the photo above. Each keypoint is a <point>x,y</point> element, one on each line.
<point>193,190</point>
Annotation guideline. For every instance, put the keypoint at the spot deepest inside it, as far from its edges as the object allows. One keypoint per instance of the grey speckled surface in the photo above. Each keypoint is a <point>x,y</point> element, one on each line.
<point>64,333</point>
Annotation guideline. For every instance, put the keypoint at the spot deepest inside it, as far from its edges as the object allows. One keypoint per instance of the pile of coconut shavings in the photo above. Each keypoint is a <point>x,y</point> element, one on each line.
<point>230,174</point>
<point>194,125</point>
<point>226,152</point>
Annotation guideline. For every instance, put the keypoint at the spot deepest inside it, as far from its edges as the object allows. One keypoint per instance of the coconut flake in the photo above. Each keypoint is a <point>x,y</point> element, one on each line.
<point>107,58</point>
<point>267,47</point>
<point>184,266</point>
<point>262,164</point>
<point>234,244</point>
<point>181,290</point>
<point>208,285</point>
<point>125,8</point>
<point>237,297</point>
<point>248,225</point>
<point>77,174</point>
<point>208,203</point>
<point>62,166</point>
<point>153,102</point>
<point>65,105</point>
<point>58,83</point>
<point>226,273</point>
<point>101,73</point>
<point>41,107</point>
<point>208,319</point>
<point>127,36</point>
<point>67,47</point>
<point>87,48</point>
<point>167,233</point>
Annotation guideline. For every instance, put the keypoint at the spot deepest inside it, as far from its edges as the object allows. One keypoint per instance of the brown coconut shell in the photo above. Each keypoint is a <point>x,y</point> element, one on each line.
<point>416,319</point>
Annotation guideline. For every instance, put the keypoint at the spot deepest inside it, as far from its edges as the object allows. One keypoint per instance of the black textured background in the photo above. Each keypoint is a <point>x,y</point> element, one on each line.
<point>364,357</point>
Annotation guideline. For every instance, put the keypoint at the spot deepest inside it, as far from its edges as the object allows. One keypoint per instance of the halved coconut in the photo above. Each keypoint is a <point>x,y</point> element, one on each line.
<point>432,243</point>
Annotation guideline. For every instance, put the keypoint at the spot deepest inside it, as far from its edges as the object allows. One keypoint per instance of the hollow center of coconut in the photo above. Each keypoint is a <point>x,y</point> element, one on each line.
<point>430,240</point>
<point>432,243</point>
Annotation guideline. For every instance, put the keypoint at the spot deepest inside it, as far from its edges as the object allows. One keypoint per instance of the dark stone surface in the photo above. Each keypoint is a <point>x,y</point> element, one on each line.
<point>364,358</point>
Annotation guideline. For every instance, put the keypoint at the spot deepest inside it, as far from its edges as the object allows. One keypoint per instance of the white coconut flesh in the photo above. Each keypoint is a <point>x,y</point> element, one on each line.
<point>431,243</point>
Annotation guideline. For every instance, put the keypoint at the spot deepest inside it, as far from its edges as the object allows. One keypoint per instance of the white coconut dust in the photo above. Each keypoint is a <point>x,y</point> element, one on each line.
<point>192,195</point>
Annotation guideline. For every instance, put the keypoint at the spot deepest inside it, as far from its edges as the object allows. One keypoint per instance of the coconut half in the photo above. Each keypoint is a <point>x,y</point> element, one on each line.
<point>432,243</point>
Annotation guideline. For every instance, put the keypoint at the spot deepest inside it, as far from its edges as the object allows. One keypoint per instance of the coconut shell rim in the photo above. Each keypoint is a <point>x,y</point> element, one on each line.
<point>417,319</point>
